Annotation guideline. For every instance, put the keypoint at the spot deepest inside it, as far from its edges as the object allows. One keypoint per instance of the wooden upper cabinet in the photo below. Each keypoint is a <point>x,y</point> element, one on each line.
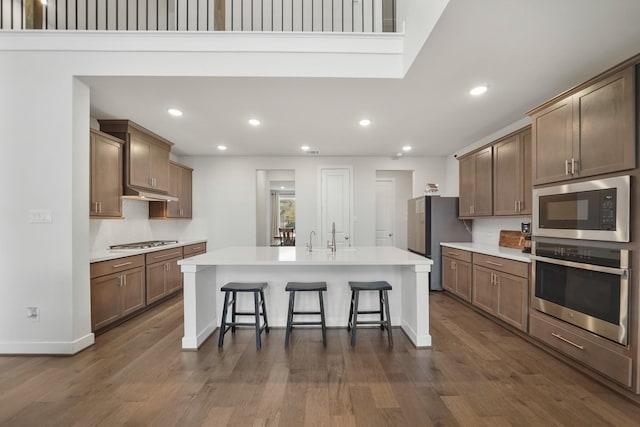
<point>476,187</point>
<point>146,154</point>
<point>604,120</point>
<point>512,175</point>
<point>105,175</point>
<point>587,133</point>
<point>180,182</point>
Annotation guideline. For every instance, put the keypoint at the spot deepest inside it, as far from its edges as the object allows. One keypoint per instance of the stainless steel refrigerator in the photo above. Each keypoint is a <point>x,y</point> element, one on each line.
<point>431,220</point>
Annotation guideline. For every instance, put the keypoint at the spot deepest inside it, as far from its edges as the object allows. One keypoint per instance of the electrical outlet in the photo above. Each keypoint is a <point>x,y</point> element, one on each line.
<point>33,313</point>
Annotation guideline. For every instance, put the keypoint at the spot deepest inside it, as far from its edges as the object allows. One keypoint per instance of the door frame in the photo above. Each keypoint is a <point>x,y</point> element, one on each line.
<point>392,180</point>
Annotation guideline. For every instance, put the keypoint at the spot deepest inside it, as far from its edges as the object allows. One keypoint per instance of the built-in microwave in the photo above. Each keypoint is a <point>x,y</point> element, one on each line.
<point>593,210</point>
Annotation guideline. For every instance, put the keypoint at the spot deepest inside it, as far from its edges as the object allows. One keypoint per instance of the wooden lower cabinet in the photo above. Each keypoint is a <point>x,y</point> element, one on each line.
<point>501,294</point>
<point>116,295</point>
<point>456,277</point>
<point>606,357</point>
<point>163,276</point>
<point>502,290</point>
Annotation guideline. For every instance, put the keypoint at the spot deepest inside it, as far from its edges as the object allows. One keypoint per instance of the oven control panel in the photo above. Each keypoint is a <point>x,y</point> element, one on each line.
<point>582,254</point>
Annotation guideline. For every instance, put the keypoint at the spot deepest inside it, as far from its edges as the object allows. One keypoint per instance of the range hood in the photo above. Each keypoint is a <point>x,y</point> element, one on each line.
<point>133,193</point>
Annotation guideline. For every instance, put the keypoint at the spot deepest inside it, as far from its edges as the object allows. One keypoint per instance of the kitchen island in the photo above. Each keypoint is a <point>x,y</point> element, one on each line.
<point>205,274</point>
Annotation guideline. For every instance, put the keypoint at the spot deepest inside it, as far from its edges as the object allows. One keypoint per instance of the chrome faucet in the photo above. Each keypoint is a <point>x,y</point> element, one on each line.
<point>310,243</point>
<point>332,245</point>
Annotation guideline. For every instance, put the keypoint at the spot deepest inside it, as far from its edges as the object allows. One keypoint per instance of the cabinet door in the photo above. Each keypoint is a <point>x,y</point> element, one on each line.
<point>138,157</point>
<point>185,189</point>
<point>156,277</point>
<point>132,291</point>
<point>173,208</point>
<point>526,203</point>
<point>448,274</point>
<point>106,177</point>
<point>512,299</point>
<point>463,280</point>
<point>604,117</point>
<point>105,300</point>
<point>484,289</point>
<point>173,276</point>
<point>507,176</point>
<point>159,167</point>
<point>552,142</point>
<point>483,197</point>
<point>467,173</point>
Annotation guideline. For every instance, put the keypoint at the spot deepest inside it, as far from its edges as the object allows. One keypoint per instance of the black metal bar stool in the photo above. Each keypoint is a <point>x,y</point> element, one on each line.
<point>292,288</point>
<point>382,287</point>
<point>232,288</point>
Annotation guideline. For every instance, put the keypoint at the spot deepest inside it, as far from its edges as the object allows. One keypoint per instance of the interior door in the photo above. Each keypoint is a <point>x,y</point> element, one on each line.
<point>335,205</point>
<point>385,210</point>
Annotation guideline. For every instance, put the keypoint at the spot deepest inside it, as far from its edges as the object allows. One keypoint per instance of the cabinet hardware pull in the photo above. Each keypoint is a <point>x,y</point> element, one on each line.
<point>494,263</point>
<point>566,167</point>
<point>197,248</point>
<point>123,264</point>
<point>515,206</point>
<point>166,255</point>
<point>573,166</point>
<point>453,253</point>
<point>124,279</point>
<point>453,265</point>
<point>561,338</point>
<point>119,281</point>
<point>492,278</point>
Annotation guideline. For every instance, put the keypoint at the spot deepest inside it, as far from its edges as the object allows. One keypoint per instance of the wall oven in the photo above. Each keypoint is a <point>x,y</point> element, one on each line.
<point>586,286</point>
<point>593,210</point>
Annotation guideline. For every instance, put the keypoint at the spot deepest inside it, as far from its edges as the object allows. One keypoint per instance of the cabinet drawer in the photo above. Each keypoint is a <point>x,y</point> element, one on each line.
<point>117,265</point>
<point>164,255</point>
<point>574,343</point>
<point>516,268</point>
<point>458,254</point>
<point>194,249</point>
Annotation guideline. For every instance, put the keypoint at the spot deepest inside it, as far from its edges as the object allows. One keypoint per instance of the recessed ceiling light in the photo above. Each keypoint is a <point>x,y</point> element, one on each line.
<point>254,122</point>
<point>174,112</point>
<point>398,154</point>
<point>282,188</point>
<point>365,122</point>
<point>222,147</point>
<point>478,90</point>
<point>406,148</point>
<point>305,148</point>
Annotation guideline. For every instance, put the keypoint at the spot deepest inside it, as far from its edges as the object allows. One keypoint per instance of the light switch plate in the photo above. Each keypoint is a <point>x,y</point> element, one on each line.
<point>40,216</point>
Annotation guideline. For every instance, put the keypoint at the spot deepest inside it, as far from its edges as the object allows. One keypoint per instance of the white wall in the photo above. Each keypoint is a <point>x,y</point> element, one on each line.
<point>225,187</point>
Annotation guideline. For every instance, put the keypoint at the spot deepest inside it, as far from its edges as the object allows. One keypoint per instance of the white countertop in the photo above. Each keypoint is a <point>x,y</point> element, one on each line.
<point>107,254</point>
<point>291,255</point>
<point>495,250</point>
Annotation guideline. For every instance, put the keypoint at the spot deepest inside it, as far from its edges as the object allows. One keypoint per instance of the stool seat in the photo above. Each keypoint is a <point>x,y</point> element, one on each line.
<point>231,289</point>
<point>381,287</point>
<point>306,286</point>
<point>244,287</point>
<point>292,288</point>
<point>370,286</point>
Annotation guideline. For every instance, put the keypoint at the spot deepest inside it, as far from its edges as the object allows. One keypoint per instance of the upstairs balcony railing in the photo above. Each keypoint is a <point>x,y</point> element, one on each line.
<point>200,15</point>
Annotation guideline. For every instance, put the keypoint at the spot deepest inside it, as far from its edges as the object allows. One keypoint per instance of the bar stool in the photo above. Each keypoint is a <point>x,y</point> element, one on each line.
<point>382,287</point>
<point>232,288</point>
<point>292,288</point>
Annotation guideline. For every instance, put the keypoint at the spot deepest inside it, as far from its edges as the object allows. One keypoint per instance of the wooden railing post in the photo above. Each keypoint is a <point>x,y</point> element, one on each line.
<point>219,15</point>
<point>32,14</point>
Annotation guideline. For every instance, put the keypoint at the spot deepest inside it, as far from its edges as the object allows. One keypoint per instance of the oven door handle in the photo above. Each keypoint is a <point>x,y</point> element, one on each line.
<point>624,272</point>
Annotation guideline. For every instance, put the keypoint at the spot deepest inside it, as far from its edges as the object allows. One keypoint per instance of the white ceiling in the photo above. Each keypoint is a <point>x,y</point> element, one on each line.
<point>526,51</point>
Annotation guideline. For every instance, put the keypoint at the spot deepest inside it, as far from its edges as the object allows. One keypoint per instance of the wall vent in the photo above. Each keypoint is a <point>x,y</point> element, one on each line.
<point>312,152</point>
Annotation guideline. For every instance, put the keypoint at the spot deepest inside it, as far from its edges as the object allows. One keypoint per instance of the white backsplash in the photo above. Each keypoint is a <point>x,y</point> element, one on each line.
<point>134,227</point>
<point>487,230</point>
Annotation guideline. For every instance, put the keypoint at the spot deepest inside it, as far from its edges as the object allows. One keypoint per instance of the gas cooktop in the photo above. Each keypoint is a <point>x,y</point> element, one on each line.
<point>143,245</point>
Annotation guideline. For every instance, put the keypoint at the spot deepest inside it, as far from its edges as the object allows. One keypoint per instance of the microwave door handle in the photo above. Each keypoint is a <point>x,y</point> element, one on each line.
<point>601,269</point>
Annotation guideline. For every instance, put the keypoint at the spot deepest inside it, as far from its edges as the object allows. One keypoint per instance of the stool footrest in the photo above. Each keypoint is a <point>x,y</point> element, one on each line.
<point>244,313</point>
<point>305,323</point>
<point>369,312</point>
<point>307,312</point>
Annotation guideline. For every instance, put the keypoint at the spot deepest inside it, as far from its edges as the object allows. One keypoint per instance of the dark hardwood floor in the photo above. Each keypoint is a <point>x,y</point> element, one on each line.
<point>476,374</point>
